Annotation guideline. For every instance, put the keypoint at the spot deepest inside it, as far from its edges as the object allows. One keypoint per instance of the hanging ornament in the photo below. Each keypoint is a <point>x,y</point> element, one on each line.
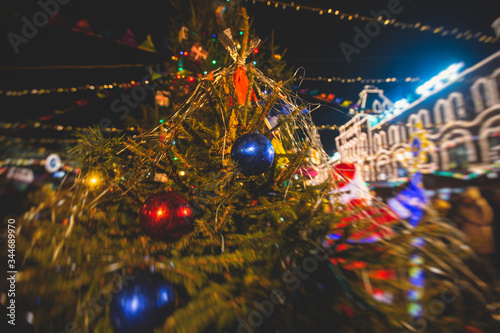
<point>253,152</point>
<point>241,81</point>
<point>197,53</point>
<point>162,98</point>
<point>166,216</point>
<point>143,304</point>
<point>219,14</point>
<point>241,86</point>
<point>183,34</point>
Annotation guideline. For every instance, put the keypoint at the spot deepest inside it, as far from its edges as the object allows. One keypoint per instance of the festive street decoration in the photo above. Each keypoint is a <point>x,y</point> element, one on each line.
<point>53,163</point>
<point>235,244</point>
<point>166,216</point>
<point>436,30</point>
<point>241,84</point>
<point>197,53</point>
<point>451,131</point>
<point>253,152</point>
<point>219,14</point>
<point>147,44</point>
<point>83,25</point>
<point>359,79</point>
<point>129,38</point>
<point>162,98</point>
<point>183,34</point>
<point>350,184</point>
<point>142,304</point>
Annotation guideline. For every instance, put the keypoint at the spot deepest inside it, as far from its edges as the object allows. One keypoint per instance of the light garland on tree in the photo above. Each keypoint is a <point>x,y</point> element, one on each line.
<point>436,30</point>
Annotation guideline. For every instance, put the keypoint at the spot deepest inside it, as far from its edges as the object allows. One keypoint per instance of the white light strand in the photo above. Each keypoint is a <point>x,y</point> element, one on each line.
<point>436,30</point>
<point>359,79</point>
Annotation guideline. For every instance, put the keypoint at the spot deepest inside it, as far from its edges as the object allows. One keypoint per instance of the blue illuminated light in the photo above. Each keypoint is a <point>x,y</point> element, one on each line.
<point>401,104</point>
<point>59,174</point>
<point>437,82</point>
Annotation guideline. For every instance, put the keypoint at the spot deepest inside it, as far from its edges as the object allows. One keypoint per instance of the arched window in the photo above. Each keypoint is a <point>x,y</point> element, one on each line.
<point>443,112</point>
<point>364,144</point>
<point>489,140</point>
<point>376,106</point>
<point>387,105</point>
<point>383,139</point>
<point>393,135</point>
<point>376,143</point>
<point>484,93</point>
<point>366,173</point>
<point>496,79</point>
<point>457,150</point>
<point>355,148</point>
<point>413,120</point>
<point>384,168</point>
<point>456,101</point>
<point>425,117</point>
<point>403,133</point>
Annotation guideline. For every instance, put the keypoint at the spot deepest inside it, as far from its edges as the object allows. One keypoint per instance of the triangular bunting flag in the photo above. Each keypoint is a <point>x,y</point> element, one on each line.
<point>325,98</point>
<point>83,26</point>
<point>128,38</point>
<point>346,103</point>
<point>147,44</point>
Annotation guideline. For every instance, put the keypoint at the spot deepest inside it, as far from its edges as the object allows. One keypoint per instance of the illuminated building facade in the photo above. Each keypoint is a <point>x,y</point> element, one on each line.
<point>459,114</point>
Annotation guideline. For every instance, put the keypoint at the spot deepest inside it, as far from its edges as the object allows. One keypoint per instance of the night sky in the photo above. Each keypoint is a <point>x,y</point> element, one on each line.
<point>311,40</point>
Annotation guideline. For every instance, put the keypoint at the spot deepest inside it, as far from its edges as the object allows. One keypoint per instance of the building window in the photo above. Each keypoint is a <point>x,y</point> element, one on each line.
<point>458,156</point>
<point>402,172</point>
<point>458,105</point>
<point>443,112</point>
<point>403,134</point>
<point>484,93</point>
<point>383,139</point>
<point>393,135</point>
<point>425,117</point>
<point>494,143</point>
<point>376,106</point>
<point>376,143</point>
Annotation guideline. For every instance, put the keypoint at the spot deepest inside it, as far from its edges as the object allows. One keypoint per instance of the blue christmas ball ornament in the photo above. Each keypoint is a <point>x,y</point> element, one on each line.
<point>254,153</point>
<point>142,304</point>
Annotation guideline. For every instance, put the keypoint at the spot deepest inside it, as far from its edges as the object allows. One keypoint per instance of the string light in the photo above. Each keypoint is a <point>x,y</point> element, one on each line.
<point>442,31</point>
<point>33,161</point>
<point>359,79</point>
<point>45,91</point>
<point>326,127</point>
<point>38,125</point>
<point>93,179</point>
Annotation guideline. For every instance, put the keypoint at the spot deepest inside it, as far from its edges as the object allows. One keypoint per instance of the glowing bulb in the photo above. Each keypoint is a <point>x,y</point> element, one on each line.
<point>93,180</point>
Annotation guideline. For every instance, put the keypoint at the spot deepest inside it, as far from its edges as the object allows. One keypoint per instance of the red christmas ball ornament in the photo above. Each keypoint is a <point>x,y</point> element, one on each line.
<point>166,216</point>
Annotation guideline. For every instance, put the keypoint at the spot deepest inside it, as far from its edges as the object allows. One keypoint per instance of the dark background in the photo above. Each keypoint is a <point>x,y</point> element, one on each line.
<point>312,43</point>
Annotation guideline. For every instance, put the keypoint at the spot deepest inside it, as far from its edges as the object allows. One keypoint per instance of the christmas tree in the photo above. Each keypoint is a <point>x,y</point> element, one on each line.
<point>228,217</point>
